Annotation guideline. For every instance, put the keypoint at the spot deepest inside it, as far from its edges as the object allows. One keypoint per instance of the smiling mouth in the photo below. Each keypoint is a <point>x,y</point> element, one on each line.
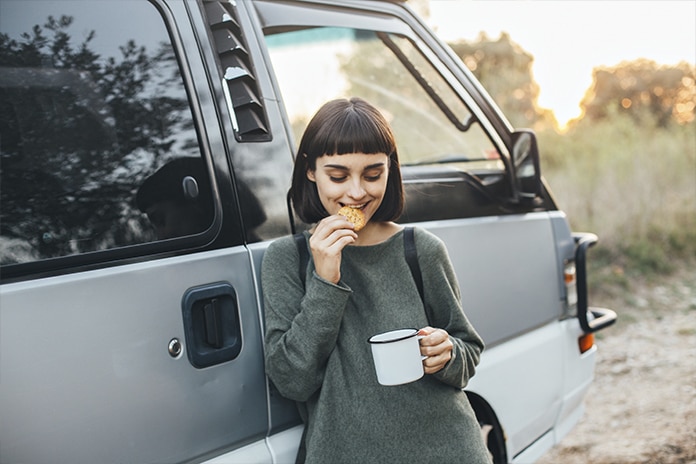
<point>360,206</point>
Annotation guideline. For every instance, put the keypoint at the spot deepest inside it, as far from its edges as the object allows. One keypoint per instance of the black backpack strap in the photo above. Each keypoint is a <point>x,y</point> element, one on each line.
<point>412,259</point>
<point>301,243</point>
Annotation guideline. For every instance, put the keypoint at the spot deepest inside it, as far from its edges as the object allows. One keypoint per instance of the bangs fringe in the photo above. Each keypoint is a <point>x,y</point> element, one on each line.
<point>352,133</point>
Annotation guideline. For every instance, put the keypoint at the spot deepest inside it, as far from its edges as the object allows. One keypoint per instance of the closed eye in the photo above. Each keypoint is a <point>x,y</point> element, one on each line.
<point>374,174</point>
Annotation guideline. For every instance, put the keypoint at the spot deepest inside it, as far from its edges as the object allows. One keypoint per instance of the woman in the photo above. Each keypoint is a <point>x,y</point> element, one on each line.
<point>358,284</point>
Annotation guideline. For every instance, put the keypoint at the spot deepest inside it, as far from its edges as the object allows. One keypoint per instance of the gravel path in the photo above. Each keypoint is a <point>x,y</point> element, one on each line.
<point>641,408</point>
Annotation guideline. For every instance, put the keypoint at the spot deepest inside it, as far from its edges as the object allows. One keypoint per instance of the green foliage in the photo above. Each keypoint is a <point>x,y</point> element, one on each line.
<point>85,122</point>
<point>648,92</point>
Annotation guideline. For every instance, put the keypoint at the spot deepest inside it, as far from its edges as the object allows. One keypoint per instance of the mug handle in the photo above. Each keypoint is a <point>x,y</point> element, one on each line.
<point>418,337</point>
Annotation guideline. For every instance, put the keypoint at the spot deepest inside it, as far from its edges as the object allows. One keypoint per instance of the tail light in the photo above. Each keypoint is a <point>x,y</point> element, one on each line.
<point>586,342</point>
<point>569,278</point>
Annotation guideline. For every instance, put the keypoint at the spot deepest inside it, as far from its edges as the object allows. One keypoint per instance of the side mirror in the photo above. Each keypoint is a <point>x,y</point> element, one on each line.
<point>525,162</point>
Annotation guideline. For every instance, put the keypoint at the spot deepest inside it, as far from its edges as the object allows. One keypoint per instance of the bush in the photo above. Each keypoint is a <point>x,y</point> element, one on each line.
<point>633,185</point>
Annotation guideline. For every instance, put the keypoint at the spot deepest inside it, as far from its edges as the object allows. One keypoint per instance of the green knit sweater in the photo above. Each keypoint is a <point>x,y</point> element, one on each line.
<point>318,355</point>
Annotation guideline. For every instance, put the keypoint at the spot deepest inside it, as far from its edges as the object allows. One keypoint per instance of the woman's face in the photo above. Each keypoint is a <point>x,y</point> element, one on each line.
<point>352,179</point>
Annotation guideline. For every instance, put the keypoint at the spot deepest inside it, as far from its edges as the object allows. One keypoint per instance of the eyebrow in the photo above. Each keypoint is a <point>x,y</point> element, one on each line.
<point>345,168</point>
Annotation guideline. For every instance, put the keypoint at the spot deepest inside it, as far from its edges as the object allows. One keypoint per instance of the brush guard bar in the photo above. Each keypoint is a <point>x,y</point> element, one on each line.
<point>592,319</point>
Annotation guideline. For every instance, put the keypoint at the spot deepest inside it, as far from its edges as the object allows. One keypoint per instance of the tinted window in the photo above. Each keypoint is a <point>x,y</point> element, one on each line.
<point>97,141</point>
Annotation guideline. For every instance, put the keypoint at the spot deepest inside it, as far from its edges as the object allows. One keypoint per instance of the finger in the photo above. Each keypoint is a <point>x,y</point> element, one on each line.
<point>335,242</point>
<point>326,238</point>
<point>331,223</point>
<point>436,363</point>
<point>444,346</point>
<point>425,331</point>
<point>437,351</point>
<point>441,358</point>
<point>433,337</point>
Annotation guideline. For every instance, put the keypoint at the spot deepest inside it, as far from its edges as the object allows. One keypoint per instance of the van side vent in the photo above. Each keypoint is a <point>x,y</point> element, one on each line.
<point>243,91</point>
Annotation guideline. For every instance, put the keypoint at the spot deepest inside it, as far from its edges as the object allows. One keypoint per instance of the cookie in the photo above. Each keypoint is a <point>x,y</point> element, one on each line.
<point>354,215</point>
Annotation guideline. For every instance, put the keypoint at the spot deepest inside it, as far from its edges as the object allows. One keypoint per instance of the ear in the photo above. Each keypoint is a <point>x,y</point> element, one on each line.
<point>311,175</point>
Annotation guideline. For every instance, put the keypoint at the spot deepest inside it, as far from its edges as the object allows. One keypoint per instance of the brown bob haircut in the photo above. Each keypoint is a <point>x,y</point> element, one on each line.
<point>339,127</point>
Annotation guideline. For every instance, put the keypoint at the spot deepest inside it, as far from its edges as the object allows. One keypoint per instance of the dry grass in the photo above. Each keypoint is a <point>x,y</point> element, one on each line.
<point>641,407</point>
<point>632,186</point>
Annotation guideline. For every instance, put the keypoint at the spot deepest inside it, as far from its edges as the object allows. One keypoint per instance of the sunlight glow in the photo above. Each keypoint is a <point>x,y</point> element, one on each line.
<point>569,38</point>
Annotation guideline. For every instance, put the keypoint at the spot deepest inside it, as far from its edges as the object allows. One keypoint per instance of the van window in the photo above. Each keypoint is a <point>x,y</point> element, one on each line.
<point>431,122</point>
<point>97,141</point>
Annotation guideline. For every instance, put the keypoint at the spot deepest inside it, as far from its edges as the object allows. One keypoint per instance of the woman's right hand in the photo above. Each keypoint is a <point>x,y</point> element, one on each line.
<point>330,236</point>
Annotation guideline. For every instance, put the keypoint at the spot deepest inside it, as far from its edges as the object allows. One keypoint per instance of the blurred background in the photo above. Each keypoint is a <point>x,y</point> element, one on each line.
<point>610,88</point>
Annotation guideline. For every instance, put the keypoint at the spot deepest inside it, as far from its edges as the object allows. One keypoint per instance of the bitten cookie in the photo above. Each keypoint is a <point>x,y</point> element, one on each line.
<point>354,215</point>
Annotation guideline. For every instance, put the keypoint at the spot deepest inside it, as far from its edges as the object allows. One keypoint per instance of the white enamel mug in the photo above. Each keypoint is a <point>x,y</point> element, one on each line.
<point>397,356</point>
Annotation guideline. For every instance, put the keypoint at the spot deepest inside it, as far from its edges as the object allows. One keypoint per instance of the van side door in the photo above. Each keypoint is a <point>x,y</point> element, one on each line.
<point>130,329</point>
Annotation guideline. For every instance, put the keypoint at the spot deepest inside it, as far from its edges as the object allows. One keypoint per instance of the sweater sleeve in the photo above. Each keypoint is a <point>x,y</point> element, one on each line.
<point>302,324</point>
<point>442,295</point>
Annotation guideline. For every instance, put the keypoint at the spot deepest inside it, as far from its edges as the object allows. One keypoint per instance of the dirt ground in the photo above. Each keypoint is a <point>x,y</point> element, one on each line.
<point>641,408</point>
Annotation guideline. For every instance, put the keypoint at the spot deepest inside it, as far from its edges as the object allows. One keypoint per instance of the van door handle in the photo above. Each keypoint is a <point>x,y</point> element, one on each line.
<point>211,324</point>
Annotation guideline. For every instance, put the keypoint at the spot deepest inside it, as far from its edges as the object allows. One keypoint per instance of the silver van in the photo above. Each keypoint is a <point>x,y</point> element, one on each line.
<point>146,148</point>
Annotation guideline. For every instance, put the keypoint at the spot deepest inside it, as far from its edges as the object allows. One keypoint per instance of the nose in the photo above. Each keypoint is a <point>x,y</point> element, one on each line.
<point>356,190</point>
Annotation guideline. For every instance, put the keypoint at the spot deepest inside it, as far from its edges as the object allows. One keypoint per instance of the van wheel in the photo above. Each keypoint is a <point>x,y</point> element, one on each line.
<point>491,431</point>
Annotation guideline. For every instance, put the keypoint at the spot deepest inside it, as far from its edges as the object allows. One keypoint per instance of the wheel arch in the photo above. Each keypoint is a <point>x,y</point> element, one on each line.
<point>491,429</point>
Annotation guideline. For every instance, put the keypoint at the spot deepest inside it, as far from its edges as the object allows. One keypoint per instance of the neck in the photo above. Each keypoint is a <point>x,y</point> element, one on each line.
<point>376,232</point>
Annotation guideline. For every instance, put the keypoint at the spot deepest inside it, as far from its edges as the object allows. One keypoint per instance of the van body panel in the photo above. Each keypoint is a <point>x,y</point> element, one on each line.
<point>88,353</point>
<point>578,375</point>
<point>280,448</point>
<point>534,451</point>
<point>506,268</point>
<point>524,418</point>
<point>254,453</point>
<point>284,445</point>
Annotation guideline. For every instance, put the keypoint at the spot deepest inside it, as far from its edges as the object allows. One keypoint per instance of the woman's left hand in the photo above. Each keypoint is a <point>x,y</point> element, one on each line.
<point>437,346</point>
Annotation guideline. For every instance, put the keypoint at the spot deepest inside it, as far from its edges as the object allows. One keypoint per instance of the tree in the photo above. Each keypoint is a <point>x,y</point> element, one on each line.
<point>648,92</point>
<point>505,70</point>
<point>80,132</point>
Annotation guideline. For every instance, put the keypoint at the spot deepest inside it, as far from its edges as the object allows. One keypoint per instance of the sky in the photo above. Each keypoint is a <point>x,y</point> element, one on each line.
<point>568,38</point>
